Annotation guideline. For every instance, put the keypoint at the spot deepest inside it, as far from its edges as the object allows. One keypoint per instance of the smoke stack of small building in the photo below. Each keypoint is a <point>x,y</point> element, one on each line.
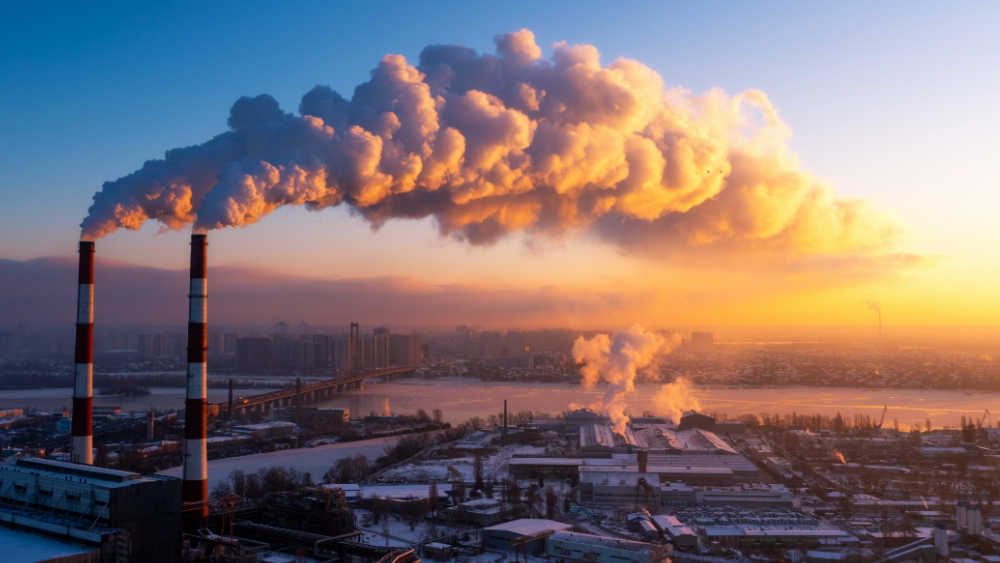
<point>83,383</point>
<point>195,487</point>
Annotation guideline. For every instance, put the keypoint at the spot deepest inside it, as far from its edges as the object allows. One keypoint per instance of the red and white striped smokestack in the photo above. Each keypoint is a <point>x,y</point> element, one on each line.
<point>195,486</point>
<point>83,382</point>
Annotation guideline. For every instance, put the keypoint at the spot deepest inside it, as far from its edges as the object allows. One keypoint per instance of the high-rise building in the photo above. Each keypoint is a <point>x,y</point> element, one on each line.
<point>322,351</point>
<point>354,347</point>
<point>301,352</point>
<point>253,354</point>
<point>340,357</point>
<point>229,340</point>
<point>367,351</point>
<point>381,347</point>
<point>405,350</point>
<point>215,342</point>
<point>282,351</point>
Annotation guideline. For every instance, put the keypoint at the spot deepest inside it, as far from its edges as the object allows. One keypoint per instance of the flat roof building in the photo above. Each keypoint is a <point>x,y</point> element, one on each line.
<point>127,514</point>
<point>614,488</point>
<point>576,546</point>
<point>526,535</point>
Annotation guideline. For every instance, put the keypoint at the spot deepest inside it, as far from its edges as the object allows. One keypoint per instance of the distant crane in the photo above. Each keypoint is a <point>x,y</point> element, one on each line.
<point>982,421</point>
<point>881,421</point>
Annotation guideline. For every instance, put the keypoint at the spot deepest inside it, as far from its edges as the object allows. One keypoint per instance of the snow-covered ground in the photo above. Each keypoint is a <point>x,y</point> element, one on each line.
<point>432,470</point>
<point>316,461</point>
<point>418,490</point>
<point>494,467</point>
<point>399,531</point>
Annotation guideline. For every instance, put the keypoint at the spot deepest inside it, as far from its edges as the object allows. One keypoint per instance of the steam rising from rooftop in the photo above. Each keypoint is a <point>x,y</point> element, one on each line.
<point>616,360</point>
<point>489,144</point>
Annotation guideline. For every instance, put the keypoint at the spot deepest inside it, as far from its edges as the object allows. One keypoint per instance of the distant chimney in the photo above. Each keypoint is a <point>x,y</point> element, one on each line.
<point>504,433</point>
<point>83,382</point>
<point>195,486</point>
<point>151,426</point>
<point>643,459</point>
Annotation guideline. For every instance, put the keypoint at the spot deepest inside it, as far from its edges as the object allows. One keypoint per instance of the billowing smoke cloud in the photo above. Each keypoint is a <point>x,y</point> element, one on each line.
<point>674,399</point>
<point>616,360</point>
<point>488,144</point>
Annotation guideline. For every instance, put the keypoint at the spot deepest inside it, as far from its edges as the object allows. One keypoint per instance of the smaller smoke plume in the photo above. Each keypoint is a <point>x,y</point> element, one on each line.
<point>673,399</point>
<point>386,409</point>
<point>616,360</point>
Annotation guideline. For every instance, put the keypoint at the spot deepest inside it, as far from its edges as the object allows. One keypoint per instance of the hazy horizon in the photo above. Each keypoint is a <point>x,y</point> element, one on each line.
<point>137,296</point>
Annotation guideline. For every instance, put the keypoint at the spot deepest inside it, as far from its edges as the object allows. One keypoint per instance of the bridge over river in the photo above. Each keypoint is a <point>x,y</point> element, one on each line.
<point>307,393</point>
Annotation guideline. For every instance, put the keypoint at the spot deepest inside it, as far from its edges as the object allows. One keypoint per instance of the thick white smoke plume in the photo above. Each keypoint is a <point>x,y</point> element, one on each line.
<point>616,360</point>
<point>674,399</point>
<point>490,144</point>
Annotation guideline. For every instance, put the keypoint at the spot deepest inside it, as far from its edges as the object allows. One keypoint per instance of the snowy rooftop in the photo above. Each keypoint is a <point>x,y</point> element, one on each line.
<point>773,531</point>
<point>627,478</point>
<point>596,435</point>
<point>654,437</point>
<point>25,545</point>
<point>595,540</point>
<point>673,526</point>
<point>529,526</point>
<point>266,425</point>
<point>90,474</point>
<point>544,461</point>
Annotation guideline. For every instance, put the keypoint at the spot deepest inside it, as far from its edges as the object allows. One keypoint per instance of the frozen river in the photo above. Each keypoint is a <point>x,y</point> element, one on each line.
<point>461,399</point>
<point>315,461</point>
<point>62,398</point>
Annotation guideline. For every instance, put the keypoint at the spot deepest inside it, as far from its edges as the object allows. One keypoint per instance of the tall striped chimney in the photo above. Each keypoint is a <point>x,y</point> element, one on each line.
<point>195,486</point>
<point>83,382</point>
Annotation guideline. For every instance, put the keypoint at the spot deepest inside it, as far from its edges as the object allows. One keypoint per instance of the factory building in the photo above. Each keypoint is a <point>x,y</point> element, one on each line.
<point>679,534</point>
<point>323,419</point>
<point>614,488</point>
<point>755,528</point>
<point>723,469</point>
<point>771,495</point>
<point>525,536</point>
<point>692,419</point>
<point>273,430</point>
<point>544,467</point>
<point>128,516</point>
<point>598,438</point>
<point>576,546</point>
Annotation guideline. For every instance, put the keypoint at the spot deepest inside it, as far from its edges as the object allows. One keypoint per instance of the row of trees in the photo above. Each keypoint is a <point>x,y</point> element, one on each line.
<point>255,485</point>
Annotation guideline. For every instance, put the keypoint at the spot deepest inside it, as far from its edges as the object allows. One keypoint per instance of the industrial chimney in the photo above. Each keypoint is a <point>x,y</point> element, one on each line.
<point>195,486</point>
<point>83,382</point>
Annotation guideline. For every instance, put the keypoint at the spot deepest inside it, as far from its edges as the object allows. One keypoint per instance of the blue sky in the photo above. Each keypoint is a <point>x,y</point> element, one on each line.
<point>891,101</point>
